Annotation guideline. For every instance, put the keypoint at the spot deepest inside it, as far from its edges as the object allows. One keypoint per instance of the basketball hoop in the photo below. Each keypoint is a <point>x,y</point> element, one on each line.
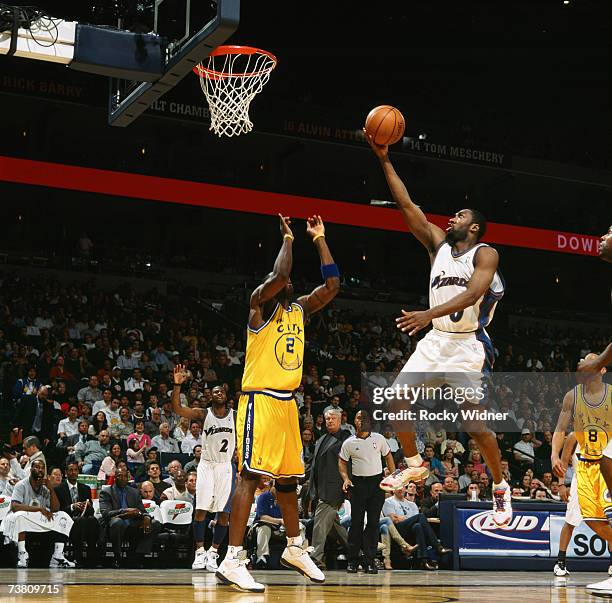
<point>231,77</point>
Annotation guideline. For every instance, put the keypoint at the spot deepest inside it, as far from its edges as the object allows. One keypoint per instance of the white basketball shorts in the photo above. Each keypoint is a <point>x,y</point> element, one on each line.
<point>573,515</point>
<point>215,486</point>
<point>457,359</point>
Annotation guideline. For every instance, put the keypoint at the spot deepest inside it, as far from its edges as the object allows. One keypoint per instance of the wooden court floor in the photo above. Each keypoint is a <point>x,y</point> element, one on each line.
<point>181,586</point>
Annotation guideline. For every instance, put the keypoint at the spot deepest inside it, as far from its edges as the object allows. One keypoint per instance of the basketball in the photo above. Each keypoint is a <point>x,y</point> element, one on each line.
<point>385,124</point>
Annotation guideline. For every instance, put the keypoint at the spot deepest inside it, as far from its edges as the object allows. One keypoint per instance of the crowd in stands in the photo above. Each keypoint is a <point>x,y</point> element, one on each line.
<point>87,377</point>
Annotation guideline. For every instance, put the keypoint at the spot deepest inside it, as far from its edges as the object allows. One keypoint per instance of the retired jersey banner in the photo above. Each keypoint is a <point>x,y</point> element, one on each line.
<point>168,190</point>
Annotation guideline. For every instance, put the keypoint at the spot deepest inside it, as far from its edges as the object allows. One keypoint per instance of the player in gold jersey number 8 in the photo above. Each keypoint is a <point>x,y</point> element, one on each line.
<point>587,410</point>
<point>592,364</point>
<point>268,439</point>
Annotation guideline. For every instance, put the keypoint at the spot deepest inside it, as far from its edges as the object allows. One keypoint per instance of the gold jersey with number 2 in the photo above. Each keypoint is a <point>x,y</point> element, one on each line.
<point>592,422</point>
<point>275,351</point>
<point>269,440</point>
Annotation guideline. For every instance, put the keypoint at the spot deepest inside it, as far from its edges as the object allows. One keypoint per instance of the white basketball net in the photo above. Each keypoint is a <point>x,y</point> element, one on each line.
<point>230,82</point>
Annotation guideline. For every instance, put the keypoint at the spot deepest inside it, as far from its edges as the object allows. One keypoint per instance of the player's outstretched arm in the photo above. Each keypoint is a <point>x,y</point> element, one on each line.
<point>324,293</point>
<point>277,280</point>
<point>486,263</point>
<point>179,377</point>
<point>427,233</point>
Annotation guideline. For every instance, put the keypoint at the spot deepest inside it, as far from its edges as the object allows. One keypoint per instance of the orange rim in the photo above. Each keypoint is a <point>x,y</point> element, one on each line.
<point>225,50</point>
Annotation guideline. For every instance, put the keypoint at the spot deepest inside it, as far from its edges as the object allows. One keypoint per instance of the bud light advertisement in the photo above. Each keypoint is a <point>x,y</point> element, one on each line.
<point>529,534</point>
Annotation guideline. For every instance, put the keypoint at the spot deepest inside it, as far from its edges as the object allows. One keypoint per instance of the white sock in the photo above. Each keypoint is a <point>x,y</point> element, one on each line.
<point>414,461</point>
<point>233,552</point>
<point>21,546</point>
<point>59,550</point>
<point>200,549</point>
<point>295,541</point>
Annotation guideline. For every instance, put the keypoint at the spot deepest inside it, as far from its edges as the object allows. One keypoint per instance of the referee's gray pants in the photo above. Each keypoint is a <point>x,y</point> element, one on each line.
<point>325,520</point>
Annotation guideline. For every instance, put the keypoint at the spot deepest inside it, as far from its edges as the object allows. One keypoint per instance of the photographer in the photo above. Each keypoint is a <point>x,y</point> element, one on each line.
<point>31,448</point>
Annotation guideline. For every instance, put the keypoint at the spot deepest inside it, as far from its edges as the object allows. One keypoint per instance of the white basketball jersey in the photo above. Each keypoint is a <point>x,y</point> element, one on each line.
<point>449,277</point>
<point>218,438</point>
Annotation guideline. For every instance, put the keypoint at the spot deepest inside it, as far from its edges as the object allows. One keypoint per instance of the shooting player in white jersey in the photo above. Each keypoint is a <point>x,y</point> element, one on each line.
<point>465,287</point>
<point>216,471</point>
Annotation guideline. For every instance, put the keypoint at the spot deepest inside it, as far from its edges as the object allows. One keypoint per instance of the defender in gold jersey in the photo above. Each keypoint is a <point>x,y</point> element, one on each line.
<point>268,439</point>
<point>589,407</point>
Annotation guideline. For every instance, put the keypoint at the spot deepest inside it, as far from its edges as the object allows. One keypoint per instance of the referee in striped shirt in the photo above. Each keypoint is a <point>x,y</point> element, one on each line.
<point>365,451</point>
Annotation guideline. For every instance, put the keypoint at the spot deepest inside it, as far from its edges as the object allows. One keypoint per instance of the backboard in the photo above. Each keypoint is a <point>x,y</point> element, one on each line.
<point>191,29</point>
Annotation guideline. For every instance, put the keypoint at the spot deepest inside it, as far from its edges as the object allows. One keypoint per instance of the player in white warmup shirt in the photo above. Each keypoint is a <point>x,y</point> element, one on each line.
<point>216,471</point>
<point>465,286</point>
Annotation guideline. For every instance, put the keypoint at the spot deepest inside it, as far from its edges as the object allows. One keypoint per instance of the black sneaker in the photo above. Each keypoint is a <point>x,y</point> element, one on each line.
<point>429,565</point>
<point>371,569</point>
<point>262,563</point>
<point>442,550</point>
<point>351,567</point>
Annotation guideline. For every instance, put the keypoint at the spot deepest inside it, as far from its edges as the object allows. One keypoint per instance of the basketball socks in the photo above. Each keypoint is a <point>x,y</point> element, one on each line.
<point>21,546</point>
<point>198,531</point>
<point>219,534</point>
<point>561,556</point>
<point>414,461</point>
<point>295,541</point>
<point>58,553</point>
<point>233,552</point>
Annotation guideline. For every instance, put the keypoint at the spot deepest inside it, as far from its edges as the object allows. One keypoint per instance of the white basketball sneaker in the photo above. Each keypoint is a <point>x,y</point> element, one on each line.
<point>199,562</point>
<point>610,571</point>
<point>560,570</point>
<point>502,505</point>
<point>600,588</point>
<point>235,573</point>
<point>296,558</point>
<point>211,561</point>
<point>22,560</point>
<point>401,477</point>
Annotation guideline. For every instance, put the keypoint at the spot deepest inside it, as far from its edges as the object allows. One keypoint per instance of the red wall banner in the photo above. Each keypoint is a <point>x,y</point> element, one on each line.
<point>122,184</point>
